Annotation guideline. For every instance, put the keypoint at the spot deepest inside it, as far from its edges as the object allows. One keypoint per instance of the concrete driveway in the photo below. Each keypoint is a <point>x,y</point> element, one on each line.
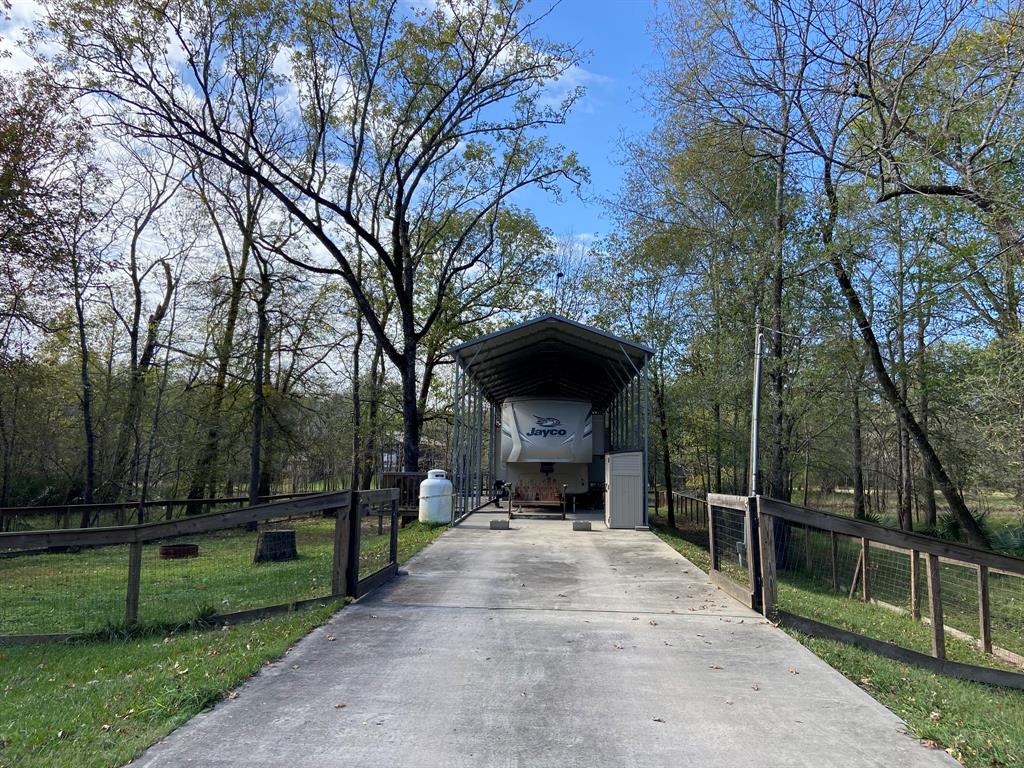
<point>539,646</point>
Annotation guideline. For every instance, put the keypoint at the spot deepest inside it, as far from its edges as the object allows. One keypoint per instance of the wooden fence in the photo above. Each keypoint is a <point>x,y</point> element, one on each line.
<point>792,539</point>
<point>67,516</point>
<point>687,508</point>
<point>348,510</point>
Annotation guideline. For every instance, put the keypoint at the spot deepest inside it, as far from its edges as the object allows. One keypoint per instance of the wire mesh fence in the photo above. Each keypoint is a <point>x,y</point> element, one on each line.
<point>198,568</point>
<point>729,537</point>
<point>280,561</point>
<point>889,585</point>
<point>63,592</point>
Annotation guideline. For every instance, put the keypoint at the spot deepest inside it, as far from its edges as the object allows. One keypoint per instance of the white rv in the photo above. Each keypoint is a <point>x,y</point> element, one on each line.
<point>546,446</point>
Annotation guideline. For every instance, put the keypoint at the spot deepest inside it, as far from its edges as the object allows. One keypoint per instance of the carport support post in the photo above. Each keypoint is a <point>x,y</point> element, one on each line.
<point>647,406</point>
<point>479,446</point>
<point>456,426</point>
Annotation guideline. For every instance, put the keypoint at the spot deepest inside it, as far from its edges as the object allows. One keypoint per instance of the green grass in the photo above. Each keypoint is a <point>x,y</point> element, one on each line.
<point>85,591</point>
<point>99,703</point>
<point>981,726</point>
<point>94,704</point>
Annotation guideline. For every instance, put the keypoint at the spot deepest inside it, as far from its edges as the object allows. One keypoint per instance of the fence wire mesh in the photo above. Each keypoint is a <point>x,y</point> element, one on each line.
<point>820,576</point>
<point>82,582</point>
<point>63,592</point>
<point>224,574</point>
<point>731,543</point>
<point>1006,601</point>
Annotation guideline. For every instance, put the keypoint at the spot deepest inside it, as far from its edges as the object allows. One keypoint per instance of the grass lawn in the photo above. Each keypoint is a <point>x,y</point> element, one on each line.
<point>93,704</point>
<point>980,725</point>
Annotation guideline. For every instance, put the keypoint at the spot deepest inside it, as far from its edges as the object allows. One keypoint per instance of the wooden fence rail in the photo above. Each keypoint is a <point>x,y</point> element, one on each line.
<point>876,538</point>
<point>69,515</point>
<point>348,509</point>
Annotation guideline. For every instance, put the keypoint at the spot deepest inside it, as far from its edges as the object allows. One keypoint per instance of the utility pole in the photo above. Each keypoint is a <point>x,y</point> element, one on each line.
<point>755,413</point>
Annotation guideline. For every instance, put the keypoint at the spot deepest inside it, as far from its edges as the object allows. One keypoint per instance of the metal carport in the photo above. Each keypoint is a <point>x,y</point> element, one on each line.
<point>548,356</point>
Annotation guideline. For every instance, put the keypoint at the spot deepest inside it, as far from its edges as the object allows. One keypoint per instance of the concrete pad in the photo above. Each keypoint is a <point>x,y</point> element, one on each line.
<point>581,525</point>
<point>499,525</point>
<point>546,649</point>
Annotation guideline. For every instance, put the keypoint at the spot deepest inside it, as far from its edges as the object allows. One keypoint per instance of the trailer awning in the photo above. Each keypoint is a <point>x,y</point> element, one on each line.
<point>552,356</point>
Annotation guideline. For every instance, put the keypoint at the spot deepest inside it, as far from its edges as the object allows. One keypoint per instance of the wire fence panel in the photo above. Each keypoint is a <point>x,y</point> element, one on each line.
<point>730,541</point>
<point>374,544</point>
<point>63,592</point>
<point>84,581</point>
<point>1006,600</point>
<point>872,589</point>
<point>189,577</point>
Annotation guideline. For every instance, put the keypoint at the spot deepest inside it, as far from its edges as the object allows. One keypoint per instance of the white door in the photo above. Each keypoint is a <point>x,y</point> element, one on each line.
<point>624,495</point>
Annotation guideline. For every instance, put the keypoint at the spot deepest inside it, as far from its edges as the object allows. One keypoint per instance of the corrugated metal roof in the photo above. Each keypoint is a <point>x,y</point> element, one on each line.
<point>552,356</point>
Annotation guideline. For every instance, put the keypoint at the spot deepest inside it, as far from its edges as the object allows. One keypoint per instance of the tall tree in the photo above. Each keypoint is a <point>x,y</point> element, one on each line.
<point>410,124</point>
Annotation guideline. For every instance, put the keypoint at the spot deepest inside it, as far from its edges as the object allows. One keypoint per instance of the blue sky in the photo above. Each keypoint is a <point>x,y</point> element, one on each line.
<point>621,49</point>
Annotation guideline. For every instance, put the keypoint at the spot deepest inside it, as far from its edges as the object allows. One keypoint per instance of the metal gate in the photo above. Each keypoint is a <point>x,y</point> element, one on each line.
<point>734,546</point>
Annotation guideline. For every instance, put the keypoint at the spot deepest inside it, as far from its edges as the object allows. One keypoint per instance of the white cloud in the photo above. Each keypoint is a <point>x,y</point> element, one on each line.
<point>573,78</point>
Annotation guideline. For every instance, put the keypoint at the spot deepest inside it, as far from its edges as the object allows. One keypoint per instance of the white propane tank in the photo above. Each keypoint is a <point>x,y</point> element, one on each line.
<point>436,494</point>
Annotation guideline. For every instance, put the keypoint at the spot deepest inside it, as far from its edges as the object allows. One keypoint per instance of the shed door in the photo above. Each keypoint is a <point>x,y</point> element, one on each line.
<point>624,497</point>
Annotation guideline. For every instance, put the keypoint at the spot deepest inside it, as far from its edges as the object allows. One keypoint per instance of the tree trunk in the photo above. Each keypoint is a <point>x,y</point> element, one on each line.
<point>204,475</point>
<point>87,394</point>
<point>659,400</point>
<point>410,412</point>
<point>904,484</point>
<point>357,408</point>
<point>372,416</point>
<point>889,391</point>
<point>858,452</point>
<point>891,394</point>
<point>258,383</point>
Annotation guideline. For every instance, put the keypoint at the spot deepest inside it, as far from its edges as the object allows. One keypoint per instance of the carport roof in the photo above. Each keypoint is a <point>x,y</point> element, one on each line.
<point>552,356</point>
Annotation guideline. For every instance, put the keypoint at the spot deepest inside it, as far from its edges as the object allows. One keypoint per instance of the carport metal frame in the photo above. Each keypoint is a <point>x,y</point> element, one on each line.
<point>477,400</point>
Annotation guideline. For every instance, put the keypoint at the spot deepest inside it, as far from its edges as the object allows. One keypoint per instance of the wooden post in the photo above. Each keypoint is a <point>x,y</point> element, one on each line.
<point>393,544</point>
<point>865,574</point>
<point>355,524</point>
<point>753,544</point>
<point>984,615</point>
<point>834,540</point>
<point>340,565</point>
<point>711,539</point>
<point>131,603</point>
<point>856,574</point>
<point>769,588</point>
<point>935,608</point>
<point>915,585</point>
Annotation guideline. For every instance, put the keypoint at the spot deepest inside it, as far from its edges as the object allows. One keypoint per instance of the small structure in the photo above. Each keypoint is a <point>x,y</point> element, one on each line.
<point>274,546</point>
<point>540,408</point>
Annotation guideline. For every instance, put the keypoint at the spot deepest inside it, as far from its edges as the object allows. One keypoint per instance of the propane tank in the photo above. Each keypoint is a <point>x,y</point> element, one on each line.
<point>436,495</point>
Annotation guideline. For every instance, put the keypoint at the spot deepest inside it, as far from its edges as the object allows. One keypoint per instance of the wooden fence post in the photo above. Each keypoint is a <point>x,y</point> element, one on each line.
<point>355,524</point>
<point>131,603</point>
<point>766,536</point>
<point>393,543</point>
<point>935,608</point>
<point>865,574</point>
<point>340,565</point>
<point>711,538</point>
<point>984,614</point>
<point>915,585</point>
